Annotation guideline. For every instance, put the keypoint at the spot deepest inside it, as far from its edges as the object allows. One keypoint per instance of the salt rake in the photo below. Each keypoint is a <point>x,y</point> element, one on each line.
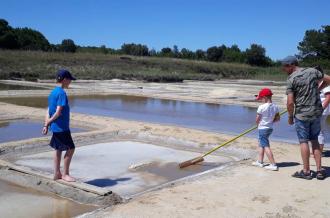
<point>201,158</point>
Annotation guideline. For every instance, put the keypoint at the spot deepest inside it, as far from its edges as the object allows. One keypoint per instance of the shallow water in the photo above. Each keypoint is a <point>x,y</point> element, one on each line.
<point>22,129</point>
<point>211,117</point>
<point>4,86</point>
<point>17,201</point>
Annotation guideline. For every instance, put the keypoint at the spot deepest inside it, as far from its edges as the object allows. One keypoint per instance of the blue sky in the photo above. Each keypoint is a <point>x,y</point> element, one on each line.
<point>278,25</point>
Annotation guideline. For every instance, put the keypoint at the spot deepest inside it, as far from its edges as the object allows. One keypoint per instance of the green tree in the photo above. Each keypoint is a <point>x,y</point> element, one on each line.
<point>104,49</point>
<point>29,39</point>
<point>233,54</point>
<point>214,53</point>
<point>256,56</point>
<point>166,52</point>
<point>187,54</point>
<point>135,49</point>
<point>68,45</point>
<point>8,39</point>
<point>316,41</point>
<point>200,54</point>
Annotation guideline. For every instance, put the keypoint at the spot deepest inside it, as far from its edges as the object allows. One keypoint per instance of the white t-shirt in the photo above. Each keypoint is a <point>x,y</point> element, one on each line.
<point>267,112</point>
<point>326,111</point>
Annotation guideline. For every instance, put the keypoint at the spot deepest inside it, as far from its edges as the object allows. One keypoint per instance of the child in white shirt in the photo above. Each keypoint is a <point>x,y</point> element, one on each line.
<point>267,114</point>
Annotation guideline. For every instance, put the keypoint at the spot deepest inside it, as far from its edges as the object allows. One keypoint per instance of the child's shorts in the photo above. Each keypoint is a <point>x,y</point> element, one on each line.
<point>62,141</point>
<point>264,137</point>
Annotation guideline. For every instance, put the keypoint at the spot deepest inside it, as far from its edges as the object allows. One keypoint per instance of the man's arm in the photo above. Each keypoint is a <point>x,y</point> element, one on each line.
<point>290,107</point>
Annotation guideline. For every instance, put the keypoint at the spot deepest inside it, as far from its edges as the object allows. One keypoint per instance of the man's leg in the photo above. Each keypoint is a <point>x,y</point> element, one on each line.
<point>315,131</point>
<point>304,149</point>
<point>317,154</point>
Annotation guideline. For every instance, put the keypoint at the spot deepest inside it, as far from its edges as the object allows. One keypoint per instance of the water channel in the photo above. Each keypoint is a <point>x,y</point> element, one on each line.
<point>228,119</point>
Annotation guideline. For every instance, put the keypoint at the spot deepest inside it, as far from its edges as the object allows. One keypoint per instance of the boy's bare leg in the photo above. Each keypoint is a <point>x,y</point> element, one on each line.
<point>67,160</point>
<point>270,156</point>
<point>317,154</point>
<point>304,149</point>
<point>57,162</point>
<point>261,154</point>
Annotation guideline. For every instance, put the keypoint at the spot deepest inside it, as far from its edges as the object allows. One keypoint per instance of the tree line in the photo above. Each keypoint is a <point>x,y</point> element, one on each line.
<point>316,44</point>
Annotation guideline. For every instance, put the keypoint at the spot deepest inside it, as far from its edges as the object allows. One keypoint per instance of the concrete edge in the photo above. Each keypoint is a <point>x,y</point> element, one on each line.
<point>76,191</point>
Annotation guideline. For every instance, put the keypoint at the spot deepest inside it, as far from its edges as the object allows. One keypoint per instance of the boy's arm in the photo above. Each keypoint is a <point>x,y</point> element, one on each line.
<point>45,128</point>
<point>55,115</point>
<point>258,118</point>
<point>277,117</point>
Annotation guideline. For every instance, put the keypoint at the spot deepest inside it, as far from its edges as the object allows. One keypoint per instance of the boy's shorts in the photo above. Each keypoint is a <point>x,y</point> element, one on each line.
<point>264,137</point>
<point>308,130</point>
<point>62,141</point>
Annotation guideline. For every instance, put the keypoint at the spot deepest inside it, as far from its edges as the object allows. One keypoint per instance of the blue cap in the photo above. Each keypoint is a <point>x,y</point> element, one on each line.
<point>289,60</point>
<point>62,74</point>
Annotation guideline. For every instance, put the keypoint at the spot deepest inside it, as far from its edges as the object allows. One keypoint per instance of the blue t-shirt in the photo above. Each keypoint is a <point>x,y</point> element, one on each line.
<point>56,98</point>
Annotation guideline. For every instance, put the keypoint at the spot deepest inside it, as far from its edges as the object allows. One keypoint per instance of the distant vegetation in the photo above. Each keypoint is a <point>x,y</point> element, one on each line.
<point>33,65</point>
<point>27,54</point>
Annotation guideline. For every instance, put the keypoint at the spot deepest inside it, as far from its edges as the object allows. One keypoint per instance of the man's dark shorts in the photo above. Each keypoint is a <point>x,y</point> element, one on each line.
<point>308,130</point>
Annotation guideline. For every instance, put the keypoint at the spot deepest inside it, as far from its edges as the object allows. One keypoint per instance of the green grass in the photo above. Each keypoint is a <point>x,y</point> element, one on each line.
<point>32,65</point>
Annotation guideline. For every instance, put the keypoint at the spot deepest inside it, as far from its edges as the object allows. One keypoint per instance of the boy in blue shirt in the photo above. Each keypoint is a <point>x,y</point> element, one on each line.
<point>58,119</point>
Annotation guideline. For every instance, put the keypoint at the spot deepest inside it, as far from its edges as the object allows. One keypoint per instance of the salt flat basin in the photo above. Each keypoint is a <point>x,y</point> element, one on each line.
<point>17,201</point>
<point>14,130</point>
<point>108,165</point>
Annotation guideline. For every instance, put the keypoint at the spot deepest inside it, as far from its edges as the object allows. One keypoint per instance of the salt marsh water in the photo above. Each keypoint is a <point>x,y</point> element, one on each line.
<point>211,117</point>
<point>17,201</point>
<point>4,86</point>
<point>22,129</point>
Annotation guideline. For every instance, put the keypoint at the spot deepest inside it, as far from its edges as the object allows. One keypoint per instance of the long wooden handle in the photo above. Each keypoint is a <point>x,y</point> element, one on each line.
<point>236,137</point>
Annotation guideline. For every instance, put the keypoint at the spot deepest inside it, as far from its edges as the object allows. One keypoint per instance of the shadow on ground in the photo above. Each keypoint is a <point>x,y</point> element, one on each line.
<point>106,182</point>
<point>326,153</point>
<point>287,164</point>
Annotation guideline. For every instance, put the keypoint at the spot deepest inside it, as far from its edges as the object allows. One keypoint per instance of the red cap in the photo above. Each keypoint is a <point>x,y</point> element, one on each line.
<point>263,93</point>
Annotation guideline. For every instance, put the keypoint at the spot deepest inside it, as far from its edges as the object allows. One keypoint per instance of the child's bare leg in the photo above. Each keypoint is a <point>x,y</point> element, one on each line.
<point>270,156</point>
<point>67,160</point>
<point>57,162</point>
<point>261,154</point>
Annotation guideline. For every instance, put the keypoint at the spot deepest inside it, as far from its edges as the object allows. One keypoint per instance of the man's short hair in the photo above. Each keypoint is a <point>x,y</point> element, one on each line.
<point>289,60</point>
